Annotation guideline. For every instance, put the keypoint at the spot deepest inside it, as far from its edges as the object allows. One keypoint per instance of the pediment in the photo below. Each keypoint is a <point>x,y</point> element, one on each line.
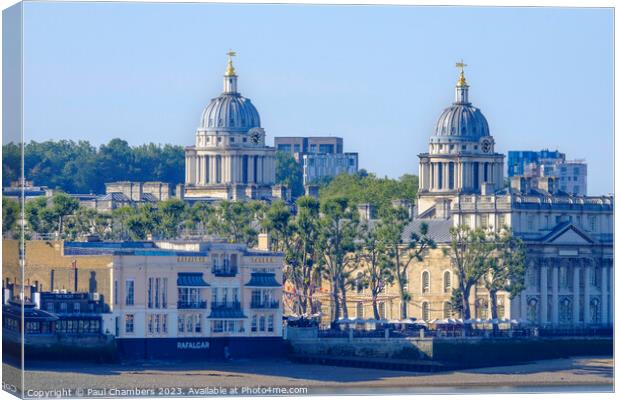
<point>569,234</point>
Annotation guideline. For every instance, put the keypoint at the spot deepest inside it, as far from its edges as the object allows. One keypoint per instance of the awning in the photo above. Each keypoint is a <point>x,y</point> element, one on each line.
<point>226,313</point>
<point>263,279</point>
<point>191,279</point>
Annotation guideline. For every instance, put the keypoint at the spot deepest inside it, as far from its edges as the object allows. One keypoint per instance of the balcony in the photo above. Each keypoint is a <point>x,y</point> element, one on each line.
<point>224,271</point>
<point>225,305</point>
<point>268,304</point>
<point>192,304</point>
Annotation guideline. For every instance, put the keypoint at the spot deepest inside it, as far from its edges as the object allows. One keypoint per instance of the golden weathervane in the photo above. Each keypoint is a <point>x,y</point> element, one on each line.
<point>462,81</point>
<point>230,70</point>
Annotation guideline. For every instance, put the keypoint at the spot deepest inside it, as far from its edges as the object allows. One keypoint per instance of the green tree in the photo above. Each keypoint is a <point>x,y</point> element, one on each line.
<point>289,173</point>
<point>10,215</point>
<point>376,273</point>
<point>301,253</point>
<point>171,213</point>
<point>402,251</point>
<point>505,268</point>
<point>63,205</point>
<point>233,221</point>
<point>469,251</point>
<point>338,234</point>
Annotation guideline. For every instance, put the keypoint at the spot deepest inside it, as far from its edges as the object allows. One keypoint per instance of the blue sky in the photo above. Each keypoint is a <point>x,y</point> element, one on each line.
<point>379,76</point>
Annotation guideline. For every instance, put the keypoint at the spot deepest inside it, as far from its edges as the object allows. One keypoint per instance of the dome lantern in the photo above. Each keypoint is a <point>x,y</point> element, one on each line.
<point>230,77</point>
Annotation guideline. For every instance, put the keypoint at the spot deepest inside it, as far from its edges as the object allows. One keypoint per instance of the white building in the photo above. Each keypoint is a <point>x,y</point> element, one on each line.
<point>205,299</point>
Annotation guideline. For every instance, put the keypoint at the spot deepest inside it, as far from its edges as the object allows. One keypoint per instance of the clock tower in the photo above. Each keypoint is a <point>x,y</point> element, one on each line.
<point>461,156</point>
<point>230,159</point>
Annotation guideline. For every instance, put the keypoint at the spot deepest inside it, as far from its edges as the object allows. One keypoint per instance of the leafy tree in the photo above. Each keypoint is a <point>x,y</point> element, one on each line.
<point>376,273</point>
<point>10,215</point>
<point>233,221</point>
<point>171,214</point>
<point>198,215</point>
<point>338,233</point>
<point>367,188</point>
<point>63,205</point>
<point>505,268</point>
<point>469,251</point>
<point>456,301</point>
<point>302,264</point>
<point>289,173</point>
<point>401,251</point>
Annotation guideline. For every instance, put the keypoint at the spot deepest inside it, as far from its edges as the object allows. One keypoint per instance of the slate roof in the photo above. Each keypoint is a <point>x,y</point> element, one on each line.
<point>191,279</point>
<point>226,313</point>
<point>263,279</point>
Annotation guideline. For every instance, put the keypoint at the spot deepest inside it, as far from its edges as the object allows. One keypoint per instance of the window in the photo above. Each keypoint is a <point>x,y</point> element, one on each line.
<point>76,307</point>
<point>382,310</point>
<point>115,292</point>
<point>484,221</point>
<point>262,324</point>
<point>359,282</point>
<point>129,292</point>
<point>592,223</point>
<point>181,324</point>
<point>595,311</point>
<point>447,310</point>
<point>501,221</point>
<point>129,323</point>
<point>270,323</point>
<point>63,307</point>
<point>254,325</point>
<point>532,309</point>
<point>149,294</point>
<point>217,326</point>
<point>530,222</point>
<point>426,282</point>
<point>425,311</point>
<point>197,324</point>
<point>566,312</point>
<point>359,310</point>
<point>447,282</point>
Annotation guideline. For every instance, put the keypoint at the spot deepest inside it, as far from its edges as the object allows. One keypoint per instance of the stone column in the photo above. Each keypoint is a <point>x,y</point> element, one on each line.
<point>604,271</point>
<point>259,167</point>
<point>576,292</point>
<point>251,169</point>
<point>543,291</point>
<point>554,295</point>
<point>587,270</point>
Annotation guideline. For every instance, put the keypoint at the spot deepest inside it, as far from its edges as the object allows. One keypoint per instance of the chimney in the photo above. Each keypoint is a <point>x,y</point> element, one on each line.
<point>519,183</point>
<point>366,211</point>
<point>404,203</point>
<point>180,191</point>
<point>487,189</point>
<point>75,273</point>
<point>547,183</point>
<point>312,191</point>
<point>264,242</point>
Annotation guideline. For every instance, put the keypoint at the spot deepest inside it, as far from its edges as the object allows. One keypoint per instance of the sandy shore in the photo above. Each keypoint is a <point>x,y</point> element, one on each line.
<point>584,371</point>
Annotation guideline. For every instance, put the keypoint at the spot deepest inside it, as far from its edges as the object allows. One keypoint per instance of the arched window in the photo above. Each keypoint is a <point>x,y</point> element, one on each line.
<point>426,311</point>
<point>532,309</point>
<point>566,311</point>
<point>382,310</point>
<point>426,282</point>
<point>447,310</point>
<point>359,282</point>
<point>447,282</point>
<point>359,310</point>
<point>595,311</point>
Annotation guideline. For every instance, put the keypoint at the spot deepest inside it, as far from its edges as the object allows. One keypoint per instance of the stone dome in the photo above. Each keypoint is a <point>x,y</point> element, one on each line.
<point>230,112</point>
<point>462,121</point>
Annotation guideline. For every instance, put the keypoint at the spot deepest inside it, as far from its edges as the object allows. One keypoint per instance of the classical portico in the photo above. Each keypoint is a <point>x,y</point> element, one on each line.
<point>230,159</point>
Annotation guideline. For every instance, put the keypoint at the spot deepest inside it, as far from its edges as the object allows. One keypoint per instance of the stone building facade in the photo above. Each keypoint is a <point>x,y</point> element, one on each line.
<point>568,238</point>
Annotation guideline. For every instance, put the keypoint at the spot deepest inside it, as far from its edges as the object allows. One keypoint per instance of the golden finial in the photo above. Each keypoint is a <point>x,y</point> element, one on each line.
<point>461,81</point>
<point>230,70</point>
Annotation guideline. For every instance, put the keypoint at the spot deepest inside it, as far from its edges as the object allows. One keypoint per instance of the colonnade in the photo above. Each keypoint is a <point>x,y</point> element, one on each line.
<point>212,169</point>
<point>568,291</point>
<point>451,175</point>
